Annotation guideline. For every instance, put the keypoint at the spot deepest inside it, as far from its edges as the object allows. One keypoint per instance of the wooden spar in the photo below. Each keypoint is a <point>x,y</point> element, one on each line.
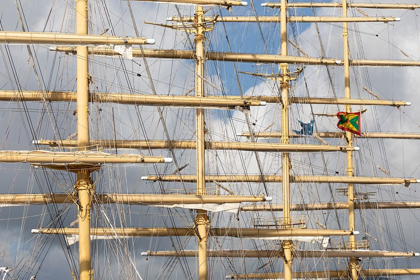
<point>289,19</point>
<point>144,99</point>
<point>279,254</point>
<point>132,199</point>
<point>332,206</point>
<point>156,199</point>
<point>340,5</point>
<point>79,39</point>
<point>83,185</point>
<point>329,274</point>
<point>161,144</point>
<point>229,102</point>
<point>279,178</point>
<point>231,232</point>
<point>248,58</point>
<point>379,63</point>
<point>343,101</point>
<point>225,3</point>
<point>385,135</point>
<point>76,157</point>
<point>201,220</point>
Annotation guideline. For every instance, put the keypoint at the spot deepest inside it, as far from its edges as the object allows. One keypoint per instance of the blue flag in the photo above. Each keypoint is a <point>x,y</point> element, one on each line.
<point>307,128</point>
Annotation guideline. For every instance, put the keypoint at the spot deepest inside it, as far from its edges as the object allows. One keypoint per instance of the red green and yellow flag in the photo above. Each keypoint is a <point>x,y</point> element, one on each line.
<point>349,122</point>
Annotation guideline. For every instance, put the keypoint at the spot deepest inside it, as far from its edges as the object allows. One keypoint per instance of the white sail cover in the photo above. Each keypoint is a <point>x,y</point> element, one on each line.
<point>74,238</point>
<point>311,239</point>
<point>124,51</point>
<point>10,205</point>
<point>212,207</point>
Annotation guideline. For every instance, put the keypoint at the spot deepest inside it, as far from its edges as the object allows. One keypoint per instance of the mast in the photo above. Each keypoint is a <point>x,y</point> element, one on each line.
<point>83,184</point>
<point>353,262</point>
<point>202,220</point>
<point>287,245</point>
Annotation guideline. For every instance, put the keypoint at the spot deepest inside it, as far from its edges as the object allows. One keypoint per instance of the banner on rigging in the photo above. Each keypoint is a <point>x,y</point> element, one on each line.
<point>349,122</point>
<point>307,128</point>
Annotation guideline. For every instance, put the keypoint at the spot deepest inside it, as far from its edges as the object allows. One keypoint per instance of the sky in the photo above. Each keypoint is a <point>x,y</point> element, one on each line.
<point>47,257</point>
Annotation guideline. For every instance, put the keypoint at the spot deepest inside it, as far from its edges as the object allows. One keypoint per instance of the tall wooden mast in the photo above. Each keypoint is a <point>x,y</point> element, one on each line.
<point>353,263</point>
<point>287,245</point>
<point>202,220</point>
<point>83,184</point>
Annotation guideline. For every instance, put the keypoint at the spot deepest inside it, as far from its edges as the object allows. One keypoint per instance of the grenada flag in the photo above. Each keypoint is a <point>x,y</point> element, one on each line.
<point>349,122</point>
